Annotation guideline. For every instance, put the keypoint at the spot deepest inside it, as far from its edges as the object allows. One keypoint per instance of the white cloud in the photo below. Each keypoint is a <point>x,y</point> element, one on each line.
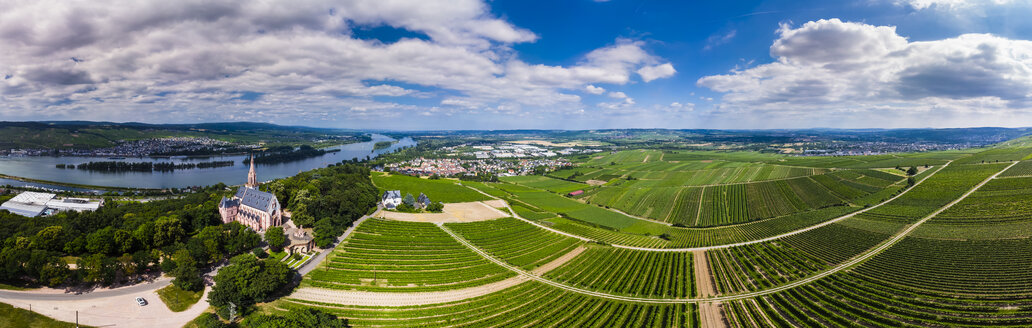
<point>190,60</point>
<point>617,95</point>
<point>952,4</point>
<point>649,73</point>
<point>830,66</point>
<point>594,90</point>
<point>719,39</point>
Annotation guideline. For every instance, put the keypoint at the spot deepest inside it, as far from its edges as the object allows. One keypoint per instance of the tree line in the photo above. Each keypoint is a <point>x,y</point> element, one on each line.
<point>115,166</point>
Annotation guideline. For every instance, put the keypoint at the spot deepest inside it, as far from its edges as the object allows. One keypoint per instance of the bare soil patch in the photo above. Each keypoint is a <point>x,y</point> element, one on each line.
<point>453,212</point>
<point>595,182</point>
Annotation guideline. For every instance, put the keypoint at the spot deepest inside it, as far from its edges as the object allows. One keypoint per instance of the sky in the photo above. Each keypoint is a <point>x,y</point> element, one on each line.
<point>520,64</point>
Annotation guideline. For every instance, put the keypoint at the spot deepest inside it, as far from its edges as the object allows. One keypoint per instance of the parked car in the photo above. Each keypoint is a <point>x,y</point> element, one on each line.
<point>141,301</point>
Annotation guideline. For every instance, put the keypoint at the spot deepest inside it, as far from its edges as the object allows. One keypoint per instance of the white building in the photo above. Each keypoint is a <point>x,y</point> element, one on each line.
<point>33,204</point>
<point>391,199</point>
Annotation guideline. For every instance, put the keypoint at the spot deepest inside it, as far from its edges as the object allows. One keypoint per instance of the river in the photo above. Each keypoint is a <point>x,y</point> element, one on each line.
<point>44,168</point>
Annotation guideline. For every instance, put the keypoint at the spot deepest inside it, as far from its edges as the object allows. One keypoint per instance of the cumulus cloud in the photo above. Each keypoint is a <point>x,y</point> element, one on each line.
<point>649,73</point>
<point>191,60</point>
<point>834,66</point>
<point>594,90</point>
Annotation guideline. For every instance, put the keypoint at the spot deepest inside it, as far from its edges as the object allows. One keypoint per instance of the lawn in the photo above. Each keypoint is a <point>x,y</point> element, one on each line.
<point>178,300</point>
<point>14,317</point>
<point>443,190</point>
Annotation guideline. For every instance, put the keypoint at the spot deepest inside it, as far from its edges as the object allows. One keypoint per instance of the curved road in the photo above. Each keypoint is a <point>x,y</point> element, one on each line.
<point>852,262</point>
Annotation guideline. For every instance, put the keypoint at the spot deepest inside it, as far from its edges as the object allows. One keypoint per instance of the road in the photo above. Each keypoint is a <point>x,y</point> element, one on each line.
<point>848,264</point>
<point>107,307</point>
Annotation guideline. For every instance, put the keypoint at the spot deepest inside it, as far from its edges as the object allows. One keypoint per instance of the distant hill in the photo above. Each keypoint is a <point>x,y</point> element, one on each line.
<point>87,135</point>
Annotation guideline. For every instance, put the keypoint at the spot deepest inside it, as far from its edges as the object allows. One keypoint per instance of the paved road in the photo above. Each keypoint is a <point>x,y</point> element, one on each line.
<point>315,261</point>
<point>50,295</point>
<point>852,262</point>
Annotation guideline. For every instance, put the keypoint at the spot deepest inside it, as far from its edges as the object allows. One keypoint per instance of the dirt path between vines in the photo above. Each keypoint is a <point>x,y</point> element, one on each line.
<point>710,316</point>
<point>703,280</point>
<point>364,298</point>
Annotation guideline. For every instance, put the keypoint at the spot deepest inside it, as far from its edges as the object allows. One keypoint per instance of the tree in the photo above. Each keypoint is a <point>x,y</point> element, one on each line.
<point>275,238</point>
<point>911,181</point>
<point>101,241</point>
<point>248,280</point>
<point>297,318</point>
<point>435,207</point>
<point>241,239</point>
<point>51,238</point>
<point>188,277</point>
<point>409,200</point>
<point>912,170</point>
<point>168,231</point>
<point>96,268</point>
<point>124,242</point>
<point>55,273</point>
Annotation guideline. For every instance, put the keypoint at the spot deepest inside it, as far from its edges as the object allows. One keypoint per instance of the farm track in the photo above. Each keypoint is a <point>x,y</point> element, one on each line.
<point>843,266</point>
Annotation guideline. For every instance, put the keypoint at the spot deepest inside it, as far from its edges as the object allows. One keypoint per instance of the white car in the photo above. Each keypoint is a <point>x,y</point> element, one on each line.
<point>141,301</point>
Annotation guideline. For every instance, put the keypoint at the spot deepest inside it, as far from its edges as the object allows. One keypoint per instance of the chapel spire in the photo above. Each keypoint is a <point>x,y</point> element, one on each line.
<point>252,176</point>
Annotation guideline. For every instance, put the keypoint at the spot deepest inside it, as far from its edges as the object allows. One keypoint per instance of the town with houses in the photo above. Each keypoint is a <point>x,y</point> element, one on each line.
<point>138,148</point>
<point>450,167</point>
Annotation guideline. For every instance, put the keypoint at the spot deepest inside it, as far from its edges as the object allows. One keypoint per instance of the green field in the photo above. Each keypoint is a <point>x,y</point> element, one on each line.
<point>443,190</point>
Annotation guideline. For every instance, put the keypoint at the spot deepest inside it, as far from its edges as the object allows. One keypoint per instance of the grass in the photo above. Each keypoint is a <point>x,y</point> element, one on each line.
<point>178,300</point>
<point>12,287</point>
<point>443,190</point>
<point>14,317</point>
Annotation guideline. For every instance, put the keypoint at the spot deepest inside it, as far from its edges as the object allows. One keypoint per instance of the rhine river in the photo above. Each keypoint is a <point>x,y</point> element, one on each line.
<point>44,168</point>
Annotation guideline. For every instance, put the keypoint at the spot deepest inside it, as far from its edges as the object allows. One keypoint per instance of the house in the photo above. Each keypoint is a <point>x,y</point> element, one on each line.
<point>391,199</point>
<point>575,193</point>
<point>251,207</point>
<point>423,201</point>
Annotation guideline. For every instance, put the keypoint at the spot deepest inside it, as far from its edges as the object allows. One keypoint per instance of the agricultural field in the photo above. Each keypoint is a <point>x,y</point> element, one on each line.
<point>515,241</point>
<point>530,304</point>
<point>629,272</point>
<point>395,256</point>
<point>739,202</point>
<point>788,241</point>
<point>442,190</point>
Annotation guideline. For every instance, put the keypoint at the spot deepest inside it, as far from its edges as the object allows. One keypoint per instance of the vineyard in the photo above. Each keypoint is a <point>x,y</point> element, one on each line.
<point>945,186</point>
<point>530,304</point>
<point>778,240</point>
<point>740,203</point>
<point>394,256</point>
<point>628,272</point>
<point>515,241</point>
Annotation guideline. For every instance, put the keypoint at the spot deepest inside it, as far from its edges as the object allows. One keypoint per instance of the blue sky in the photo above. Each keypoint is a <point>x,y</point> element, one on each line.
<point>470,64</point>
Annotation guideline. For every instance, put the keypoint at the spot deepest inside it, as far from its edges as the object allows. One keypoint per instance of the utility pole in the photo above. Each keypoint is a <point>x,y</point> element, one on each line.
<point>232,311</point>
<point>76,318</point>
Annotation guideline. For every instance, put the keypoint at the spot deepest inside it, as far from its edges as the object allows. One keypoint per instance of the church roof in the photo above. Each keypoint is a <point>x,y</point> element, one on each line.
<point>255,198</point>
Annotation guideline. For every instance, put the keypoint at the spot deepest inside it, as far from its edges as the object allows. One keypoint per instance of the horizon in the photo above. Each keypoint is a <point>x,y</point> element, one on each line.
<point>374,130</point>
<point>503,65</point>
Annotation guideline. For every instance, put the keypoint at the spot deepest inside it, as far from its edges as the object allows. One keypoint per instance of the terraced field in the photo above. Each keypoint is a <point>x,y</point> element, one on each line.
<point>395,256</point>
